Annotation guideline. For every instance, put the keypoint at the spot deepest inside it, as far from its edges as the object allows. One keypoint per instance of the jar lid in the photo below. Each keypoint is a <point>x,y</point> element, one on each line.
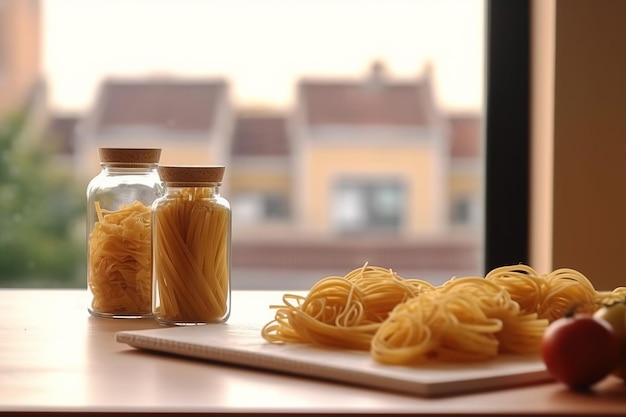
<point>191,174</point>
<point>130,155</point>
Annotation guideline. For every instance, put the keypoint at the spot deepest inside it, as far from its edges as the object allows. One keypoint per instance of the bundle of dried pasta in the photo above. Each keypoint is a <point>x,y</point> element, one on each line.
<point>550,295</point>
<point>521,331</point>
<point>342,311</point>
<point>519,300</point>
<point>434,324</point>
<point>618,294</point>
<point>120,261</point>
<point>192,256</point>
<point>465,319</point>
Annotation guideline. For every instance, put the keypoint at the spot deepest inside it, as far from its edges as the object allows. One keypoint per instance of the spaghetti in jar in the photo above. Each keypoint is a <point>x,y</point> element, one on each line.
<point>119,246</point>
<point>191,247</point>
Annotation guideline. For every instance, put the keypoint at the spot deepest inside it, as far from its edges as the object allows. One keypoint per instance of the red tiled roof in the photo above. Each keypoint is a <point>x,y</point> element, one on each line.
<point>358,103</point>
<point>260,136</point>
<point>465,136</point>
<point>165,104</point>
<point>374,100</point>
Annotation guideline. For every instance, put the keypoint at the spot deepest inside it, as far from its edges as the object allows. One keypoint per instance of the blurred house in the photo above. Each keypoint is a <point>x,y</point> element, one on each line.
<point>22,89</point>
<point>261,183</point>
<point>20,52</point>
<point>59,133</point>
<point>191,120</point>
<point>374,157</point>
<point>363,169</point>
<point>360,170</point>
<point>466,172</point>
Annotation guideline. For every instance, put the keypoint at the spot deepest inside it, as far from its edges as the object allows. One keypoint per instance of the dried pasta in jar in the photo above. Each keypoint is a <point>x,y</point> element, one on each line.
<point>191,235</point>
<point>119,248</point>
<point>120,261</point>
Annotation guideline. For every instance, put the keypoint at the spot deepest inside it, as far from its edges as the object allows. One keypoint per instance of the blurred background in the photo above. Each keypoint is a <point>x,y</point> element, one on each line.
<point>351,130</point>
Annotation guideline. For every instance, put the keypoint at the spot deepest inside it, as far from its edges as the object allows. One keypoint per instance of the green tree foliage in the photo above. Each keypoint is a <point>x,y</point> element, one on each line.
<point>40,210</point>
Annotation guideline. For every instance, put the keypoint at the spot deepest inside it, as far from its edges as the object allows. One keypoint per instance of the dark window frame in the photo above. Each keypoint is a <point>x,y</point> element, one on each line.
<point>507,133</point>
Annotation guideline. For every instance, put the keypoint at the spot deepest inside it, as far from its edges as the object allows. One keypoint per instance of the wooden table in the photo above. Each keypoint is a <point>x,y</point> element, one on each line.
<point>55,358</point>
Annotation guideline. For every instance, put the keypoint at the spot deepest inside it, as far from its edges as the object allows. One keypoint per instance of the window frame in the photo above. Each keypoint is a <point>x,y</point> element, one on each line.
<point>507,133</point>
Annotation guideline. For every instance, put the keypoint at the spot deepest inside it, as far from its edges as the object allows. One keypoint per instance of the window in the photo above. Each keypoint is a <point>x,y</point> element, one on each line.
<point>366,108</point>
<point>507,133</point>
<point>254,207</point>
<point>363,206</point>
<point>462,211</point>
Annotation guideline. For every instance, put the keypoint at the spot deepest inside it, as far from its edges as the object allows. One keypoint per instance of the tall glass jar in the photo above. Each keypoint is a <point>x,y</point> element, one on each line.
<point>119,245</point>
<point>191,229</point>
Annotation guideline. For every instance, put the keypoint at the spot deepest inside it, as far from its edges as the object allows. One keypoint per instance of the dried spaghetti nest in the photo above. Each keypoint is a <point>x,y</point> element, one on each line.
<point>403,321</point>
<point>465,319</point>
<point>342,311</point>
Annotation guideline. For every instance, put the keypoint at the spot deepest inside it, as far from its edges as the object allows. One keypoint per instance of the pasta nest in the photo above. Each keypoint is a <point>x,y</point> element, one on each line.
<point>404,321</point>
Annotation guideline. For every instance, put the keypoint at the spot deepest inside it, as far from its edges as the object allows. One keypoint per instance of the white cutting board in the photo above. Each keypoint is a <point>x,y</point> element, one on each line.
<point>243,344</point>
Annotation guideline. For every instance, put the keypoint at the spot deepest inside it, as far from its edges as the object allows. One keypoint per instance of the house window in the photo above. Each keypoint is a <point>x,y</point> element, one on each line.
<point>275,206</point>
<point>363,206</point>
<point>460,212</point>
<point>463,211</point>
<point>256,207</point>
<point>368,205</point>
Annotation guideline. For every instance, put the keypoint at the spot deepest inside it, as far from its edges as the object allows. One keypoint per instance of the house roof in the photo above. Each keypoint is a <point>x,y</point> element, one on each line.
<point>188,105</point>
<point>165,104</point>
<point>374,100</point>
<point>260,135</point>
<point>465,135</point>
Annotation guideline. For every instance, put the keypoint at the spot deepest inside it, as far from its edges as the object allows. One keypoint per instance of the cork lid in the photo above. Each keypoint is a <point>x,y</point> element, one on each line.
<point>191,174</point>
<point>129,156</point>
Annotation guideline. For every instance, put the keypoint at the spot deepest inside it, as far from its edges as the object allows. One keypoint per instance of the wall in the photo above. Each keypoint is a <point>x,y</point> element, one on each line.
<point>415,167</point>
<point>586,130</point>
<point>542,133</point>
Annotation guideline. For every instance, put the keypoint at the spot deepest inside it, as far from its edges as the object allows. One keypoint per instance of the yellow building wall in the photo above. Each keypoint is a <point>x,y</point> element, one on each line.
<point>188,155</point>
<point>465,184</point>
<point>255,180</point>
<point>414,167</point>
<point>466,187</point>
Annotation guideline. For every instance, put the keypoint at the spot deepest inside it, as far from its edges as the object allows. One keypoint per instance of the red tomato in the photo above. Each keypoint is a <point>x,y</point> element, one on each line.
<point>580,350</point>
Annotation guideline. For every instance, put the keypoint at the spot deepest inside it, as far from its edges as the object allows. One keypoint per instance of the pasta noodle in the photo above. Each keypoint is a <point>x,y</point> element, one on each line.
<point>120,261</point>
<point>465,319</point>
<point>342,311</point>
<point>191,258</point>
<point>407,321</point>
<point>551,295</point>
<point>609,297</point>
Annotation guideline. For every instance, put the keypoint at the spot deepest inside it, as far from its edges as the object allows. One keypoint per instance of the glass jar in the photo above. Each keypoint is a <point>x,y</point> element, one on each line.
<point>119,236</point>
<point>192,244</point>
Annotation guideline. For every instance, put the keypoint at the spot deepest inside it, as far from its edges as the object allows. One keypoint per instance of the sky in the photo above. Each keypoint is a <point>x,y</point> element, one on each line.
<point>262,47</point>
